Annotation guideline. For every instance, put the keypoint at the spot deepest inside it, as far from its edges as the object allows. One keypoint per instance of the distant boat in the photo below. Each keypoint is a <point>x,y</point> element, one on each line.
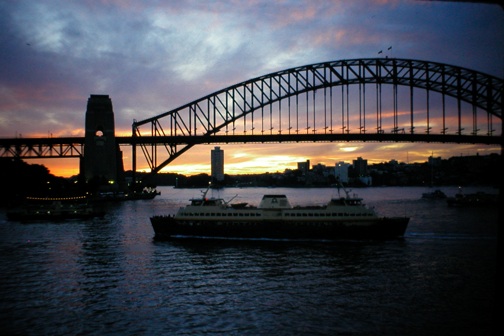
<point>477,199</point>
<point>436,194</point>
<point>145,194</point>
<point>54,208</point>
<point>342,218</point>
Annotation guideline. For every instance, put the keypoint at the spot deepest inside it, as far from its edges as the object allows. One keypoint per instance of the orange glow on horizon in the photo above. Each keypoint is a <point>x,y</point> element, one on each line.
<point>272,158</point>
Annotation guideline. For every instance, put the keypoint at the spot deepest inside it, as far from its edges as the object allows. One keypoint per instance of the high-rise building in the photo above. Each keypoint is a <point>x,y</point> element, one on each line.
<point>304,166</point>
<point>341,172</point>
<point>217,164</point>
<point>360,167</point>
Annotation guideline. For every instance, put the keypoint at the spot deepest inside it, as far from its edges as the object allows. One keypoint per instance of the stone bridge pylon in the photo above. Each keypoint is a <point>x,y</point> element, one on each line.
<point>102,160</point>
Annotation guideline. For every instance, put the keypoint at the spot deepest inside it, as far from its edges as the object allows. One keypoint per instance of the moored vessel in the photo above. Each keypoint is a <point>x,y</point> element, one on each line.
<point>54,208</point>
<point>275,218</point>
<point>436,194</point>
<point>478,199</point>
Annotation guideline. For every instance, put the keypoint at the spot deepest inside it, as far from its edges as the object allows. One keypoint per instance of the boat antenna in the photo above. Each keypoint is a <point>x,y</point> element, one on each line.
<point>347,192</point>
<point>204,192</point>
<point>232,198</point>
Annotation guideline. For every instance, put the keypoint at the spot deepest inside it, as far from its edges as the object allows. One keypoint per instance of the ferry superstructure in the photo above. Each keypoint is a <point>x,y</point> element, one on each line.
<point>275,218</point>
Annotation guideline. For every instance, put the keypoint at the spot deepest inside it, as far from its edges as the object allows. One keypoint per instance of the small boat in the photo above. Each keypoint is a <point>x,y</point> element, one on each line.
<point>478,199</point>
<point>54,208</point>
<point>133,195</point>
<point>436,194</point>
<point>274,218</point>
<point>145,194</point>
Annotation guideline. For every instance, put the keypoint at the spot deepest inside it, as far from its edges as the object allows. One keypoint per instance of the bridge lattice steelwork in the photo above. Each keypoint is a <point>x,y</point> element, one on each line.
<point>69,147</point>
<point>379,99</point>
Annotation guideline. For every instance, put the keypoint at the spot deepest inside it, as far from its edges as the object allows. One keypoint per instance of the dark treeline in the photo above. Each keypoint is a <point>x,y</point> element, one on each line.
<point>20,179</point>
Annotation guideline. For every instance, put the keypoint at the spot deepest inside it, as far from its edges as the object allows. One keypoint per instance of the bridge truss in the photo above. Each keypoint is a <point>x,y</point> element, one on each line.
<point>379,99</point>
<point>68,147</point>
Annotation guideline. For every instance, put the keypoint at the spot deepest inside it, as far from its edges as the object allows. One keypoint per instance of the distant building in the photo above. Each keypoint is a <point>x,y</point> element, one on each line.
<point>360,167</point>
<point>304,166</point>
<point>319,168</point>
<point>434,162</point>
<point>217,164</point>
<point>341,172</point>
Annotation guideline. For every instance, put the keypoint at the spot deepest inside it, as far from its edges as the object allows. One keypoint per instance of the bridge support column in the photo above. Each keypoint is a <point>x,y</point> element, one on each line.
<point>102,162</point>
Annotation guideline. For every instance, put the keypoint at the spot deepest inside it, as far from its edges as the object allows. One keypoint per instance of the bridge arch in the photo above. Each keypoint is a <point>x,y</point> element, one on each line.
<point>377,99</point>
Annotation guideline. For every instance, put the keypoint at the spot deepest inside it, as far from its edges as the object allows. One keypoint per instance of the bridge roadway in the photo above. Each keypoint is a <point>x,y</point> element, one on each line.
<point>73,146</point>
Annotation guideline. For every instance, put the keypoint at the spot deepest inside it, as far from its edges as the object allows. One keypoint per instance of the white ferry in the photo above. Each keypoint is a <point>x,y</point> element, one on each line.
<point>275,218</point>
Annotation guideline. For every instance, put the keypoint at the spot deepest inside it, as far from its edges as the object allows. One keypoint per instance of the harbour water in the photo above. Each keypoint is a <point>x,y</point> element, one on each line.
<point>110,277</point>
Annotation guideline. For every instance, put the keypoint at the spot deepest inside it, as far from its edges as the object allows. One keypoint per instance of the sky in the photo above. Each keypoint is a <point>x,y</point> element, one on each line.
<point>154,56</point>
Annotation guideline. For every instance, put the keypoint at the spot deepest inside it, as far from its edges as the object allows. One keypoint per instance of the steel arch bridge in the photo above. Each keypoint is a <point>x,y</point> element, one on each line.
<point>377,99</point>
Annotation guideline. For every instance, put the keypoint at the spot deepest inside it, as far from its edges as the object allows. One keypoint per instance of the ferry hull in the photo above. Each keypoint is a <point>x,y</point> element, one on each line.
<point>167,227</point>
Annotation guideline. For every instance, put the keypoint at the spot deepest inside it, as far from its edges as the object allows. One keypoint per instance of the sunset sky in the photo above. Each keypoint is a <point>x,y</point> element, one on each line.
<point>153,56</point>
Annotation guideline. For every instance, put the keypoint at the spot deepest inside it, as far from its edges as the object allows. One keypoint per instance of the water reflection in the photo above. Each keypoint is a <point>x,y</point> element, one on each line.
<point>110,276</point>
